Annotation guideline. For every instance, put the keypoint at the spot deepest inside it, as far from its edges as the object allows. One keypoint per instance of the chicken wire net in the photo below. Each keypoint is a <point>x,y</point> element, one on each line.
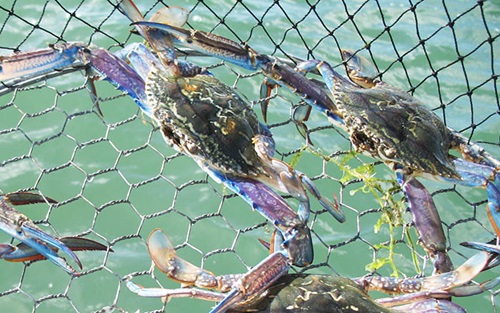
<point>116,180</point>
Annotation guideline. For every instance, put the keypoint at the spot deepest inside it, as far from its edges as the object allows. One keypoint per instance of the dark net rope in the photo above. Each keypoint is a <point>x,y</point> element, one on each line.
<point>116,180</point>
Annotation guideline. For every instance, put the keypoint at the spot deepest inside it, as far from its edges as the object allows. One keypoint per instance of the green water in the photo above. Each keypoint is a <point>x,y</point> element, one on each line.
<point>117,180</point>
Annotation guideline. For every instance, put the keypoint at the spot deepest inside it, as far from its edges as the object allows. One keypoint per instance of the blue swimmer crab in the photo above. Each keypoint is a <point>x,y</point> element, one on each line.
<point>382,121</point>
<point>35,243</point>
<point>309,292</point>
<point>418,145</point>
<point>199,116</point>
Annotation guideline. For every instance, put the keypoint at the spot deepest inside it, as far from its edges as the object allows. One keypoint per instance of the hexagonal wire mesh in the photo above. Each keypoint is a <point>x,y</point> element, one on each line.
<point>116,180</point>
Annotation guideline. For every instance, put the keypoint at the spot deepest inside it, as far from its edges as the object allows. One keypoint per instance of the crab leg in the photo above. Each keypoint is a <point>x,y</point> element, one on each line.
<point>277,72</point>
<point>295,233</point>
<point>255,281</point>
<point>103,64</point>
<point>23,229</point>
<point>240,286</point>
<point>427,222</point>
<point>441,282</point>
<point>429,305</point>
<point>26,68</point>
<point>422,294</point>
<point>74,54</point>
<point>175,293</point>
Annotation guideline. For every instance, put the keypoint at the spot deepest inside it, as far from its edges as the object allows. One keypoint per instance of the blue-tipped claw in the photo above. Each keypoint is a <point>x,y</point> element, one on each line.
<point>46,245</point>
<point>273,207</point>
<point>40,62</point>
<point>35,243</point>
<point>24,253</point>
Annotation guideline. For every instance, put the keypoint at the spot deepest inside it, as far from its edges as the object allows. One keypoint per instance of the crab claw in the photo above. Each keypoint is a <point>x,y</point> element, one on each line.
<point>485,176</point>
<point>295,233</point>
<point>39,62</point>
<point>463,274</point>
<point>300,115</point>
<point>23,253</point>
<point>208,43</point>
<point>265,93</point>
<point>277,72</point>
<point>434,291</point>
<point>163,254</point>
<point>240,286</point>
<point>46,245</point>
<point>176,16</point>
<point>361,71</point>
<point>174,293</point>
<point>283,177</point>
<point>160,41</point>
<point>70,56</point>
<point>23,229</point>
